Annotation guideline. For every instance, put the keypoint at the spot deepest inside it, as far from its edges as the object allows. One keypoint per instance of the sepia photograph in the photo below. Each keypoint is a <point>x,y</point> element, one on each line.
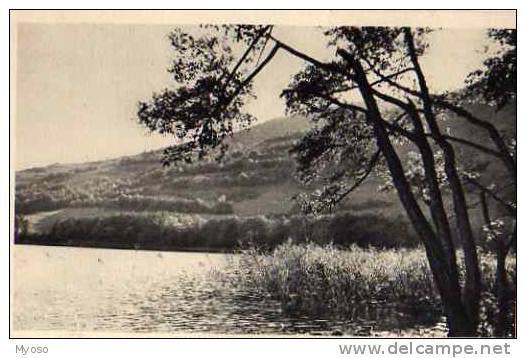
<point>288,174</point>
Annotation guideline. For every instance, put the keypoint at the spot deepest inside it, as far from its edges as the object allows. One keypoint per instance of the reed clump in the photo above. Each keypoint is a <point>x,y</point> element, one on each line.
<point>330,281</point>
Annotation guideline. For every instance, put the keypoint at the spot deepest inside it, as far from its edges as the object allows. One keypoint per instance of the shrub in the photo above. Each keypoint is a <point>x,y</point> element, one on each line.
<point>170,228</point>
<point>33,201</point>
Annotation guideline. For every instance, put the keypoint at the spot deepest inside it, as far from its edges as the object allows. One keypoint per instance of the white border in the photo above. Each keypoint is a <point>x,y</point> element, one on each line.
<point>211,348</point>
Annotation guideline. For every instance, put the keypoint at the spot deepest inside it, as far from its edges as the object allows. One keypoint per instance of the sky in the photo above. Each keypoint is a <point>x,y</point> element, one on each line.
<point>78,85</point>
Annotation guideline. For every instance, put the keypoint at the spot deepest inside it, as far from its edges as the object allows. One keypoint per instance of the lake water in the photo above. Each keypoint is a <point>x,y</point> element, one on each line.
<point>105,290</point>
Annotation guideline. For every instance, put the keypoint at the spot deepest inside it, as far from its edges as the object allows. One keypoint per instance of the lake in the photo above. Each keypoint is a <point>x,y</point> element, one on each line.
<point>106,290</point>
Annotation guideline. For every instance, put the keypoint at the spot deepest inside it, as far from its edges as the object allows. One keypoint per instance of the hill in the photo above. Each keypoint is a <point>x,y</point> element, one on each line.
<point>257,163</point>
<point>256,178</point>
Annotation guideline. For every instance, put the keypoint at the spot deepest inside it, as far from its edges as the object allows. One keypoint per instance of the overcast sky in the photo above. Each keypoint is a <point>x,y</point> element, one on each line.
<point>78,84</point>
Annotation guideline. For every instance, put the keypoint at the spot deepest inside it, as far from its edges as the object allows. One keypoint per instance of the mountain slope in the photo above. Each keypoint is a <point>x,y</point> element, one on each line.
<point>257,160</point>
<point>256,178</point>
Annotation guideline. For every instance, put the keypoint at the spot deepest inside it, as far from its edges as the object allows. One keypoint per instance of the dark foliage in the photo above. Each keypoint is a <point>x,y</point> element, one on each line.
<point>157,230</point>
<point>497,82</point>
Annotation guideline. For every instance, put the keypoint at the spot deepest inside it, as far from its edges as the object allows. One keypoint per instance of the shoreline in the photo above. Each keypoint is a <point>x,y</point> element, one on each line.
<point>129,248</point>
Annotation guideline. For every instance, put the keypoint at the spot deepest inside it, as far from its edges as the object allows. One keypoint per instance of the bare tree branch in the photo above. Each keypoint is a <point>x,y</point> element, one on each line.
<point>245,55</point>
<point>462,112</point>
<point>512,210</point>
<point>370,166</point>
<point>246,81</point>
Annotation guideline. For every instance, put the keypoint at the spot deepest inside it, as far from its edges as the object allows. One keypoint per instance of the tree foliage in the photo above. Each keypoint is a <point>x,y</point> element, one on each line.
<point>207,103</point>
<point>497,81</point>
<point>366,102</point>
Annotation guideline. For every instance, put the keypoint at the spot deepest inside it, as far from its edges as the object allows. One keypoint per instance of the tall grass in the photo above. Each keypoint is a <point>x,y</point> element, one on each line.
<point>331,279</point>
<point>325,280</point>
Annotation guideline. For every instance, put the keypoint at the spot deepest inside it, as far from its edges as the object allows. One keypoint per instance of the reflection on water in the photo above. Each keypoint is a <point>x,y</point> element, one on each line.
<point>76,289</point>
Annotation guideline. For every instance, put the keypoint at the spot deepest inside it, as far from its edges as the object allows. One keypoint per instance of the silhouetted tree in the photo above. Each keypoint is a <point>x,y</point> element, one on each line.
<point>370,98</point>
<point>496,84</point>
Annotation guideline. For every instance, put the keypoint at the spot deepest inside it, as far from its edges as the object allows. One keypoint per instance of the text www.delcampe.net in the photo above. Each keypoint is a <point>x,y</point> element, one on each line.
<point>412,348</point>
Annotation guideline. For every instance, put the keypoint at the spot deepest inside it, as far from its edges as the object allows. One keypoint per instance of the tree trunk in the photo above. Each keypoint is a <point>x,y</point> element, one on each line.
<point>502,287</point>
<point>436,206</point>
<point>459,321</point>
<point>501,284</point>
<point>472,286</point>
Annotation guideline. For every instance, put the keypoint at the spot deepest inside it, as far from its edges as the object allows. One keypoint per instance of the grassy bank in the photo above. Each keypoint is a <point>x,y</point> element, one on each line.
<point>387,287</point>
